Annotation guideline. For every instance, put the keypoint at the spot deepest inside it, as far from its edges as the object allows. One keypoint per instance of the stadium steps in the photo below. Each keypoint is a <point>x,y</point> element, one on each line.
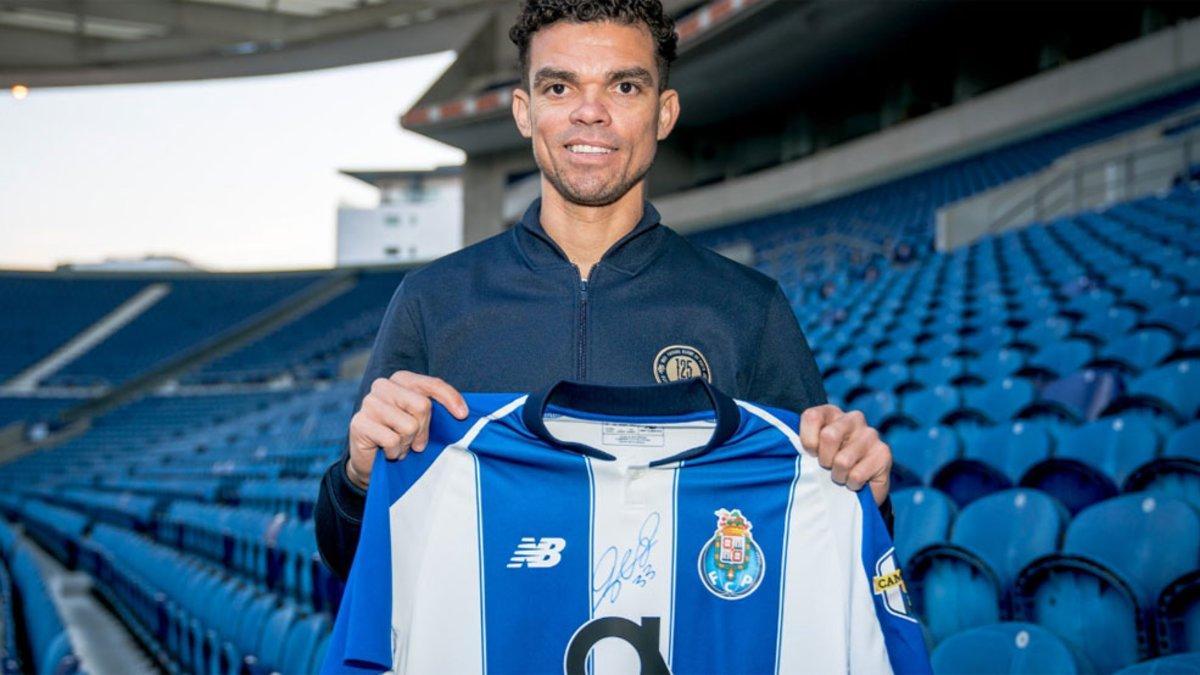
<point>265,322</point>
<point>99,640</point>
<point>93,335</point>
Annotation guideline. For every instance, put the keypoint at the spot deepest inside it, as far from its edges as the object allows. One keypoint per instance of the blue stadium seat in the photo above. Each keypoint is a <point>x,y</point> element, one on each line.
<point>999,401</point>
<point>1109,325</point>
<point>938,372</point>
<point>1062,357</point>
<point>1176,473</point>
<point>990,337</point>
<point>1096,593</point>
<point>888,377</point>
<point>1048,331</point>
<point>918,454</point>
<point>1181,316</point>
<point>1173,389</point>
<point>997,363</point>
<point>896,351</point>
<point>1179,664</point>
<point>965,582</point>
<point>1138,351</point>
<point>929,407</point>
<point>923,517</point>
<point>939,346</point>
<point>994,458</point>
<point>302,644</point>
<point>845,383</point>
<point>1005,649</point>
<point>880,408</point>
<point>1178,615</point>
<point>1080,396</point>
<point>1093,461</point>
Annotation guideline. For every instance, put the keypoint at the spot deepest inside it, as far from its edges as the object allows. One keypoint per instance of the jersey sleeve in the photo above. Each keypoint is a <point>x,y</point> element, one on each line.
<point>880,608</point>
<point>362,635</point>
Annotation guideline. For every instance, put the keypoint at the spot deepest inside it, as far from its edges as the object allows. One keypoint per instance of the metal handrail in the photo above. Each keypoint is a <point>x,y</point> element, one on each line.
<point>1077,172</point>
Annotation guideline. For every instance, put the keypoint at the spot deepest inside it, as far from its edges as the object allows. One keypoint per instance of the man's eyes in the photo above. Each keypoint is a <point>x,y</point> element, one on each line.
<point>558,88</point>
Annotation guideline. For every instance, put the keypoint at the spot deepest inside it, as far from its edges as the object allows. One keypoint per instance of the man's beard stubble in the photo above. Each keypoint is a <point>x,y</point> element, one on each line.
<point>603,198</point>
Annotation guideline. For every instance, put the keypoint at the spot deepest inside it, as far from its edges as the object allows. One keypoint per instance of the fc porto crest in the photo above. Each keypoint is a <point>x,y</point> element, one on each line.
<point>731,563</point>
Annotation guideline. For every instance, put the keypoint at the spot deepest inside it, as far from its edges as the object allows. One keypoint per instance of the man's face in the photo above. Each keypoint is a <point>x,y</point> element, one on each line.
<point>593,109</point>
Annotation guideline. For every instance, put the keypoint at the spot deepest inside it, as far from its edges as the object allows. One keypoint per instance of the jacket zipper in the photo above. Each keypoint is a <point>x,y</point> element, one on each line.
<point>581,364</point>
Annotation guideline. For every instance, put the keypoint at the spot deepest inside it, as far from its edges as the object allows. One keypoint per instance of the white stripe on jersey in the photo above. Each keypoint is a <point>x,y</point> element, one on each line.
<point>439,516</point>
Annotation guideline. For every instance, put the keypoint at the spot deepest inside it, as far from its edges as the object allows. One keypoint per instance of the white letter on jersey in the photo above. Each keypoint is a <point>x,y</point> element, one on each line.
<point>546,552</point>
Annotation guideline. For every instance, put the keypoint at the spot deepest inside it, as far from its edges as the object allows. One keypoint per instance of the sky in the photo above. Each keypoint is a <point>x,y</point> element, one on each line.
<point>232,174</point>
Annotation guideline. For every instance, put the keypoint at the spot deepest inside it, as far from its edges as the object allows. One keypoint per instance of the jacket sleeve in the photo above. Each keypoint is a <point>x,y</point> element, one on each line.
<point>786,374</point>
<point>399,345</point>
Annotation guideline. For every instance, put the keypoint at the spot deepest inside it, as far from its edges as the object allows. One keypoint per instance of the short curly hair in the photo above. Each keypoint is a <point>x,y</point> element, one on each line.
<point>537,14</point>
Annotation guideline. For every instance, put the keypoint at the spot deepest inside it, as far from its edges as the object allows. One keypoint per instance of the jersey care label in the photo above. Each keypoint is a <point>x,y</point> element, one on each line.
<point>636,435</point>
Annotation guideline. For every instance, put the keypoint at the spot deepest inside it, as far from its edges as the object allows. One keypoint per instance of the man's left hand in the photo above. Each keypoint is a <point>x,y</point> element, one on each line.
<point>844,443</point>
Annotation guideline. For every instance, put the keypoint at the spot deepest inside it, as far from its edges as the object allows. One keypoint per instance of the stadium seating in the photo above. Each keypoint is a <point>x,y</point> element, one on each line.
<point>964,583</point>
<point>1100,591</point>
<point>45,636</point>
<point>1013,648</point>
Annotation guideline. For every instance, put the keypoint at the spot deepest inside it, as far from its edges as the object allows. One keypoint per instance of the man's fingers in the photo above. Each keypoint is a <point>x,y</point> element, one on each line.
<point>420,408</point>
<point>391,427</point>
<point>811,423</point>
<point>849,456</point>
<point>866,460</point>
<point>831,438</point>
<point>435,388</point>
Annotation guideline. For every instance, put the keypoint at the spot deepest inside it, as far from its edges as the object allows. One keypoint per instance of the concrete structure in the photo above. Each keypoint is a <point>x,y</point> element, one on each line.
<point>830,97</point>
<point>419,217</point>
<point>55,43</point>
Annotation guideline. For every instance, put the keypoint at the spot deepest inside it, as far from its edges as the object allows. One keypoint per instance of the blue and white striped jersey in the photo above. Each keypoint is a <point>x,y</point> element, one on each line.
<point>596,529</point>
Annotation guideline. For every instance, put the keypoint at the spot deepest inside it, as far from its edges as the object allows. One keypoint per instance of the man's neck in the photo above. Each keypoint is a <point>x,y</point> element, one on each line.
<point>584,233</point>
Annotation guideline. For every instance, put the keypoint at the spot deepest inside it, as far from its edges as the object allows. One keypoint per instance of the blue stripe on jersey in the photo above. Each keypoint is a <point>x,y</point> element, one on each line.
<point>537,591</point>
<point>362,636</point>
<point>901,632</point>
<point>713,634</point>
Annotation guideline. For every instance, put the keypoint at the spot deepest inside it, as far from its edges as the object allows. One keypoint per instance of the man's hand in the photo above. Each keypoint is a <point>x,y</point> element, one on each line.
<point>395,416</point>
<point>843,442</point>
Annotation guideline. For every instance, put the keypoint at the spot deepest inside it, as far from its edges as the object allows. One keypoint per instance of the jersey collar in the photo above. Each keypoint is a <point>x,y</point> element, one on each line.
<point>629,254</point>
<point>674,398</point>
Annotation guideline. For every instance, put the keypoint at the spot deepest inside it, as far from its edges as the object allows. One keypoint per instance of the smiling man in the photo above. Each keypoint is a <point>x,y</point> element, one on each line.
<point>588,286</point>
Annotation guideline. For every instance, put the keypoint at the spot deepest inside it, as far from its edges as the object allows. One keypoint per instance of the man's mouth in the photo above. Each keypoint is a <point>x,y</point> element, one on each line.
<point>583,149</point>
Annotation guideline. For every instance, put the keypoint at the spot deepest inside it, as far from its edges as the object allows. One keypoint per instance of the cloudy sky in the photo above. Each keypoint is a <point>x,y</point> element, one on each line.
<point>231,174</point>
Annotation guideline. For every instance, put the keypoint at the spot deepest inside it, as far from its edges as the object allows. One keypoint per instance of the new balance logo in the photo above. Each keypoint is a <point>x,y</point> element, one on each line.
<point>544,552</point>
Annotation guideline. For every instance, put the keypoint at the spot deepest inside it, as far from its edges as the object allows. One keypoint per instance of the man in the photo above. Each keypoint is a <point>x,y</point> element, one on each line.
<point>588,286</point>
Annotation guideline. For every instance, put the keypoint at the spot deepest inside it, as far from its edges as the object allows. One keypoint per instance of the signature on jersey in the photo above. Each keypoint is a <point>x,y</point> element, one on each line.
<point>616,567</point>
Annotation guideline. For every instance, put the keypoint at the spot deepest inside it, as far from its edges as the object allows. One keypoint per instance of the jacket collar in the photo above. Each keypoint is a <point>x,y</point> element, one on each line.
<point>629,254</point>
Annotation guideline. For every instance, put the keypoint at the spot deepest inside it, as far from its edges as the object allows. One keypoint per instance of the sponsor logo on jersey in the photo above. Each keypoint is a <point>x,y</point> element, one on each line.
<point>888,583</point>
<point>731,563</point>
<point>642,637</point>
<point>680,362</point>
<point>537,553</point>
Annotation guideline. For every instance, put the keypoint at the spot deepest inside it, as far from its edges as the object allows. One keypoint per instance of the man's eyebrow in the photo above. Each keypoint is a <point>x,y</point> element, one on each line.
<point>637,73</point>
<point>548,73</point>
<point>551,74</point>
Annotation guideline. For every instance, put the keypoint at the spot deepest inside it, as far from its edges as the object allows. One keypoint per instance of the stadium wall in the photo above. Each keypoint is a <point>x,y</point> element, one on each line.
<point>1111,79</point>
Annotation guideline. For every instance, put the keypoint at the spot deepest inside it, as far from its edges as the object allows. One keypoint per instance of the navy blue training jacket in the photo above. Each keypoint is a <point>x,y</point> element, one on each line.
<point>511,314</point>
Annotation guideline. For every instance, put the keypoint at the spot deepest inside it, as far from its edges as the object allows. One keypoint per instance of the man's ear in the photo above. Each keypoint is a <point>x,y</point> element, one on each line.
<point>520,111</point>
<point>668,112</point>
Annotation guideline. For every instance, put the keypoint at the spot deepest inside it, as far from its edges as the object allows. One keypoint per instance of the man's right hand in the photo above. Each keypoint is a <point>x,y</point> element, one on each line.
<point>395,416</point>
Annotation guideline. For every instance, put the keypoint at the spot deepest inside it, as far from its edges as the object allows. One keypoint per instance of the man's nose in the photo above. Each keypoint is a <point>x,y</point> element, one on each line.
<point>591,110</point>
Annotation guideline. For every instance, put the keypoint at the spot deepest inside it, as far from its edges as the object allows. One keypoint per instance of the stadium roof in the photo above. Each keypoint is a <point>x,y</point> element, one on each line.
<point>376,177</point>
<point>78,42</point>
